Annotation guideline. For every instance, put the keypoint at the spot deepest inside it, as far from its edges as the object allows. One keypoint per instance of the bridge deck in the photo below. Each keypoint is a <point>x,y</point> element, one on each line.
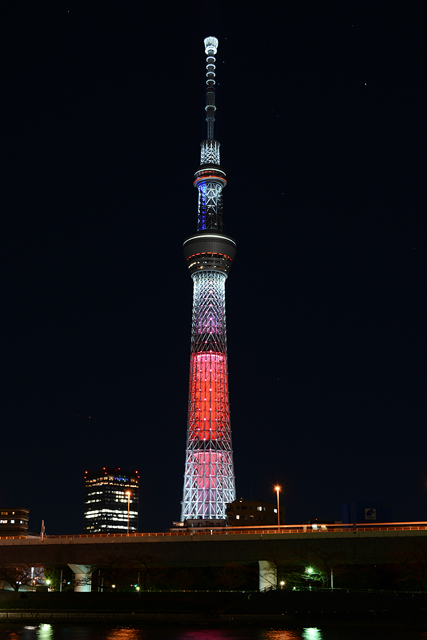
<point>218,547</point>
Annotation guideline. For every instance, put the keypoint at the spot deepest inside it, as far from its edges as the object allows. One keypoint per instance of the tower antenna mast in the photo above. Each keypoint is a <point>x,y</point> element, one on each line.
<point>211,47</point>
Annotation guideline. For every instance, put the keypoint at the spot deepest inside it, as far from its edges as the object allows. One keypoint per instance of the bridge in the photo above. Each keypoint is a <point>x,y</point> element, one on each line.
<point>267,546</point>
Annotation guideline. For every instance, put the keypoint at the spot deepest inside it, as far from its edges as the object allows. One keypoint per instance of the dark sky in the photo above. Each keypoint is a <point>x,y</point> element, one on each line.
<point>321,117</point>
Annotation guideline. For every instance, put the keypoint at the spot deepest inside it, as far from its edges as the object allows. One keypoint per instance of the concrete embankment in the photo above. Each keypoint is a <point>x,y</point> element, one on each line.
<point>278,607</point>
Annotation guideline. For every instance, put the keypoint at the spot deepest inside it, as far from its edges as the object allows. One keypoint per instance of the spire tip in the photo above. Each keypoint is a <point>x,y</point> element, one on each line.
<point>211,45</point>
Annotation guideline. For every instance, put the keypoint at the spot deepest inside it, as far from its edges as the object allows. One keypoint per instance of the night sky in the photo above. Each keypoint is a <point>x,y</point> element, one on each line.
<point>321,117</point>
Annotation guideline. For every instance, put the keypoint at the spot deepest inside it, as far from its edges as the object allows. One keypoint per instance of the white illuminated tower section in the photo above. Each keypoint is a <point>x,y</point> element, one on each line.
<point>209,473</point>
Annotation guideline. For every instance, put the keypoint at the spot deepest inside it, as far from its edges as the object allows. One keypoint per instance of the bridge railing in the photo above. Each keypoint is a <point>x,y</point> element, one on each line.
<point>247,530</point>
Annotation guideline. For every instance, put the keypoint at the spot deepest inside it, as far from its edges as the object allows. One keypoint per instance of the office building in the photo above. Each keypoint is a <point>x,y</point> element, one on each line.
<point>368,512</point>
<point>13,521</point>
<point>247,513</point>
<point>111,501</point>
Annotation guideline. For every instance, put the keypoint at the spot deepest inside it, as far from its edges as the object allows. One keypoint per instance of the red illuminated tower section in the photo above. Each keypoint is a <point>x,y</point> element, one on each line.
<point>209,474</point>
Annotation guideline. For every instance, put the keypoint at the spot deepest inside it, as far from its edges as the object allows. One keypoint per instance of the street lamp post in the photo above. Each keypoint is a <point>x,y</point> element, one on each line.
<point>277,489</point>
<point>128,495</point>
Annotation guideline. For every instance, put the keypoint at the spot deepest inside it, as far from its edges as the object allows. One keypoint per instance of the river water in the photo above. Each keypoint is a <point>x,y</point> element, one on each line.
<point>167,632</point>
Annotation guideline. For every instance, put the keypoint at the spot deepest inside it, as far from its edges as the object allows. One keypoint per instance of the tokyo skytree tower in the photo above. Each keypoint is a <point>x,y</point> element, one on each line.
<point>209,474</point>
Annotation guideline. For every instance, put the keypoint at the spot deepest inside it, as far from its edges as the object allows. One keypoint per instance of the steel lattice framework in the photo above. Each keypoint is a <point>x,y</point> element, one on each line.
<point>209,475</point>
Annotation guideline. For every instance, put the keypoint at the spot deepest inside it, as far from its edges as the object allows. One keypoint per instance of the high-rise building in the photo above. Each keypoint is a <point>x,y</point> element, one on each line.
<point>111,501</point>
<point>209,474</point>
<point>14,521</point>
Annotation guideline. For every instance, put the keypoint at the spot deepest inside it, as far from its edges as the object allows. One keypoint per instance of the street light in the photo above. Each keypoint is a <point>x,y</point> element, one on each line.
<point>277,490</point>
<point>128,494</point>
<point>309,571</point>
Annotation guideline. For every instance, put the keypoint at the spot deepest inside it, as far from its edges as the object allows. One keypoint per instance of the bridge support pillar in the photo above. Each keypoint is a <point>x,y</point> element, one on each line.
<point>82,577</point>
<point>267,575</point>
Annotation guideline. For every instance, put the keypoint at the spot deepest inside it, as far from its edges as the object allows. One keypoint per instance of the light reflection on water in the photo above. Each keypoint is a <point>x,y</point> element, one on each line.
<point>125,633</point>
<point>312,633</point>
<point>45,632</point>
<point>280,634</point>
<point>309,633</point>
<point>16,631</point>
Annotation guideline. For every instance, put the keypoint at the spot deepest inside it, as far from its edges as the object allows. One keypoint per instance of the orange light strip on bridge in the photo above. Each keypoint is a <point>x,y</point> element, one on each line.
<point>269,529</point>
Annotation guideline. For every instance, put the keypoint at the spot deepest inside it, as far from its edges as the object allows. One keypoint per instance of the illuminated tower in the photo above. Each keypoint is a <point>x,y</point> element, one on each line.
<point>209,474</point>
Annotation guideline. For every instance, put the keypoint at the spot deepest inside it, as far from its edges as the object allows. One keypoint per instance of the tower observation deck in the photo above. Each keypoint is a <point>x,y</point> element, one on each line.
<point>209,473</point>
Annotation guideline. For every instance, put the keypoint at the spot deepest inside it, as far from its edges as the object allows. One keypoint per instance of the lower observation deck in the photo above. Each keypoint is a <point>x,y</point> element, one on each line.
<point>209,250</point>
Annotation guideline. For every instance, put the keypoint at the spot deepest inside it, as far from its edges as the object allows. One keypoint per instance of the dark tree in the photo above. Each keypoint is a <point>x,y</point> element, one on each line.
<point>16,575</point>
<point>412,562</point>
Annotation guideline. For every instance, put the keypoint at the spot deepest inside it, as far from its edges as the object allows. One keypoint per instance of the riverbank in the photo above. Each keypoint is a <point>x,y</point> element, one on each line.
<point>314,608</point>
<point>193,620</point>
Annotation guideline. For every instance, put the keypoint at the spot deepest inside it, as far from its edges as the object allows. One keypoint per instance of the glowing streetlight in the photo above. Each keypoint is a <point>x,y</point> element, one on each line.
<point>128,494</point>
<point>277,490</point>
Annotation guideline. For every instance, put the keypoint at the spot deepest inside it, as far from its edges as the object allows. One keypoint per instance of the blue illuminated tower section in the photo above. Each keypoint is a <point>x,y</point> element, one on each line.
<point>209,474</point>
